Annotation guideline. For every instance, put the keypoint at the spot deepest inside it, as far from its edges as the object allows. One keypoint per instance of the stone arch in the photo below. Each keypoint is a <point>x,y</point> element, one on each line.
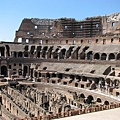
<point>60,75</point>
<point>14,54</point>
<point>97,56</point>
<point>25,70</point>
<point>62,53</point>
<point>44,51</point>
<point>116,82</point>
<point>118,56</point>
<point>76,84</point>
<point>82,95</point>
<point>67,108</point>
<point>55,54</point>
<point>103,56</point>
<point>20,54</point>
<point>2,51</point>
<point>111,56</point>
<point>26,48</point>
<point>53,75</point>
<point>25,54</point>
<point>7,50</point>
<point>48,75</point>
<point>106,103</point>
<point>82,55</point>
<point>32,50</point>
<point>89,55</point>
<point>89,99</point>
<point>99,100</point>
<point>108,81</point>
<point>4,70</point>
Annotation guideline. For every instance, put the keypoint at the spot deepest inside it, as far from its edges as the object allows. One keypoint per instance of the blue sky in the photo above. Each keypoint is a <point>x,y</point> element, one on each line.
<point>13,11</point>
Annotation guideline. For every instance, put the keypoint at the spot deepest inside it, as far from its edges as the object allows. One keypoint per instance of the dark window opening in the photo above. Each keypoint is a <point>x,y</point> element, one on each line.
<point>65,83</point>
<point>81,41</point>
<point>82,86</point>
<point>96,40</point>
<point>111,40</point>
<point>44,68</point>
<point>104,41</point>
<point>92,71</point>
<point>9,66</point>
<point>46,41</point>
<point>67,69</point>
<point>66,41</point>
<point>53,81</point>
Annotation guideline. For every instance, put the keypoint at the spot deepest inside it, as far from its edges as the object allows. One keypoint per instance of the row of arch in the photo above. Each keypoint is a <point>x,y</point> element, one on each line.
<point>57,52</point>
<point>63,54</point>
<point>4,71</point>
<point>91,100</point>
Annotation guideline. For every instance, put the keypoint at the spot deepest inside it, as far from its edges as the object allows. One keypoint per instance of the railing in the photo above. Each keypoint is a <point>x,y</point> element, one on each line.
<point>74,112</point>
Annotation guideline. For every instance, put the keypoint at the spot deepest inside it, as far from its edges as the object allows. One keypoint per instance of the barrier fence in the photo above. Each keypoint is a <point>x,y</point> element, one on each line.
<point>74,112</point>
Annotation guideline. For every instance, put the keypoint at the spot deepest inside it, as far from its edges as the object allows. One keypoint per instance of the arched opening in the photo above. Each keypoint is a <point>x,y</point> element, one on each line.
<point>111,56</point>
<point>108,81</point>
<point>106,103</point>
<point>48,75</point>
<point>55,54</point>
<point>44,51</point>
<point>4,71</point>
<point>25,54</point>
<point>103,56</point>
<point>38,54</point>
<point>118,56</point>
<point>82,56</point>
<point>26,48</point>
<point>97,56</point>
<point>117,94</point>
<point>89,55</point>
<point>20,54</point>
<point>32,50</point>
<point>82,95</point>
<point>76,84</point>
<point>2,49</point>
<point>53,75</point>
<point>14,54</point>
<point>60,75</point>
<point>7,50</point>
<point>98,100</point>
<point>116,83</point>
<point>62,53</point>
<point>90,99</point>
<point>25,71</point>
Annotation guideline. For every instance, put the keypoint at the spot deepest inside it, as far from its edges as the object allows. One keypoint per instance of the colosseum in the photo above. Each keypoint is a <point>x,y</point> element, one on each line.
<point>59,68</point>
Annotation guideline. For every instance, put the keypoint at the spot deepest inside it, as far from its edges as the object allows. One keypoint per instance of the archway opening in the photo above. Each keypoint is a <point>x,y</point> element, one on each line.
<point>97,56</point>
<point>103,56</point>
<point>82,56</point>
<point>118,56</point>
<point>99,100</point>
<point>89,55</point>
<point>25,71</point>
<point>62,53</point>
<point>4,71</point>
<point>111,56</point>
<point>90,99</point>
<point>106,103</point>
<point>20,54</point>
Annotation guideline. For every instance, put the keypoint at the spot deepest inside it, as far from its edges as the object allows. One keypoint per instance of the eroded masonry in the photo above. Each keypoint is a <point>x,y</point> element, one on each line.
<point>60,67</point>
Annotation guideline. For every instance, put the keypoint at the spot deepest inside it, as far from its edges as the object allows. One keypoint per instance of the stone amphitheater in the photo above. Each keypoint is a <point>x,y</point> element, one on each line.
<point>59,68</point>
